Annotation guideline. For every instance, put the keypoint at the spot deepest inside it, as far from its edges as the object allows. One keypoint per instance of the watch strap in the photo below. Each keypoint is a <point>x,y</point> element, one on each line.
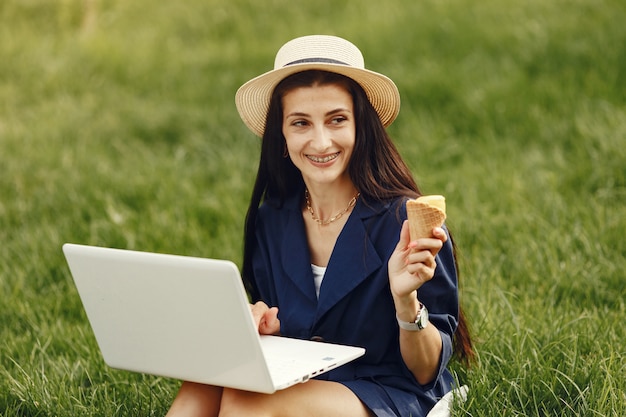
<point>420,323</point>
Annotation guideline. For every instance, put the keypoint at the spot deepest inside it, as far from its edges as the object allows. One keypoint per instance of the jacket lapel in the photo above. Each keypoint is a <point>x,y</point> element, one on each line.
<point>354,258</point>
<point>295,255</point>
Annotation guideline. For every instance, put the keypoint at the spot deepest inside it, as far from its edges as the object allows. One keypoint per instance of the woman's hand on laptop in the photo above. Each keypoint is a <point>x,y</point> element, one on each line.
<point>266,318</point>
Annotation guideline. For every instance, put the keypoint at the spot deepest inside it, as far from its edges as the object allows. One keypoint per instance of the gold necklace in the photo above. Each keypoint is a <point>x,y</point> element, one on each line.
<point>321,222</point>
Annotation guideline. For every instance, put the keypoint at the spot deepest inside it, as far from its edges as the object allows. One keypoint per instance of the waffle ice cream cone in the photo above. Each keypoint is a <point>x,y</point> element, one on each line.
<point>424,214</point>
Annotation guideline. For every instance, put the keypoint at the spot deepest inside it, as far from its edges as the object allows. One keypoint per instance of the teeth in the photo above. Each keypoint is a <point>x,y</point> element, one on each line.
<point>322,160</point>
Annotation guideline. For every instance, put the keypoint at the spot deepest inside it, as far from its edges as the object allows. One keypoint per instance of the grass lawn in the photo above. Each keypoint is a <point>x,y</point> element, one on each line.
<point>118,128</point>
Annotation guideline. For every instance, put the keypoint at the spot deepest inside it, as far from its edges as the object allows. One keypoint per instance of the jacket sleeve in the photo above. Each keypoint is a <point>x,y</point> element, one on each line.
<point>440,296</point>
<point>261,266</point>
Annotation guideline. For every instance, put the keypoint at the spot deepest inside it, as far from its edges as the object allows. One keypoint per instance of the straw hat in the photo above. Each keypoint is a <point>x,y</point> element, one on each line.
<point>321,52</point>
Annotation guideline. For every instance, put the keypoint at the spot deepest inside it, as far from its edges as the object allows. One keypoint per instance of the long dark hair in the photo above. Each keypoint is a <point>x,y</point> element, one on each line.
<point>376,169</point>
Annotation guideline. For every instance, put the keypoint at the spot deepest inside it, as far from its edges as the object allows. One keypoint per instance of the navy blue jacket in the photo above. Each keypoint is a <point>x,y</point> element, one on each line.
<point>355,306</point>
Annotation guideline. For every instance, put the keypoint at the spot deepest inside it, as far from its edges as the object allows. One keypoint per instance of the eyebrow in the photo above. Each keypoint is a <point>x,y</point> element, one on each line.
<point>330,113</point>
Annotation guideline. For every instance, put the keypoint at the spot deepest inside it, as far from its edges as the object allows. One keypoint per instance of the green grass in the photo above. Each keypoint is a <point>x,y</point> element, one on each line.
<point>118,128</point>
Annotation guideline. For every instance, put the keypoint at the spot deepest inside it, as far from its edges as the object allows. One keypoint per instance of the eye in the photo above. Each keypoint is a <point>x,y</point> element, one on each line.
<point>299,123</point>
<point>338,120</point>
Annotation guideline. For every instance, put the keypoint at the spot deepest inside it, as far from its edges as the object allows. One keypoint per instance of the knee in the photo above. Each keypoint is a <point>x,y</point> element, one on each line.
<point>237,403</point>
<point>196,399</point>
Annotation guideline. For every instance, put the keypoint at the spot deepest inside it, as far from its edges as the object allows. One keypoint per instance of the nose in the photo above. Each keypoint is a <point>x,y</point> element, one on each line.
<point>321,139</point>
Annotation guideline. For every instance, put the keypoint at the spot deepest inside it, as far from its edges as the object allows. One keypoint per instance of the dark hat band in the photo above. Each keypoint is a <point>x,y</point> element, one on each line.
<point>316,60</point>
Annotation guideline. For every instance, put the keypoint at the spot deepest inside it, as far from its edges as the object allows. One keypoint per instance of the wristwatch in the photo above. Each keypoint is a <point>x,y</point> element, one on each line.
<point>420,323</point>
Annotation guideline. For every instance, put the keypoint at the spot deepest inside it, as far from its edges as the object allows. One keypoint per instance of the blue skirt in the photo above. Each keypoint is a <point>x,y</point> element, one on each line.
<point>386,401</point>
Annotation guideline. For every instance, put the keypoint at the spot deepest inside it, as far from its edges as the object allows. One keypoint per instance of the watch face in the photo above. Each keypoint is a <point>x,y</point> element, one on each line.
<point>423,317</point>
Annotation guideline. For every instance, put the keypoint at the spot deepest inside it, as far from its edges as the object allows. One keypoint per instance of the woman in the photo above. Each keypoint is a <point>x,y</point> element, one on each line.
<point>327,251</point>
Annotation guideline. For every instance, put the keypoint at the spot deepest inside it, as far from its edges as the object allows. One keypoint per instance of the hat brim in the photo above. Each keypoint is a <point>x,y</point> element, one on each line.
<point>253,98</point>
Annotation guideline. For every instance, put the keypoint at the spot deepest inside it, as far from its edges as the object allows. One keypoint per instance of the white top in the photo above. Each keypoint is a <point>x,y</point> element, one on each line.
<point>318,276</point>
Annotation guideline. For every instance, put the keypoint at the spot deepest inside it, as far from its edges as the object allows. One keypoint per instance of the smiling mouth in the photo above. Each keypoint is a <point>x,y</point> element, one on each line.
<point>323,159</point>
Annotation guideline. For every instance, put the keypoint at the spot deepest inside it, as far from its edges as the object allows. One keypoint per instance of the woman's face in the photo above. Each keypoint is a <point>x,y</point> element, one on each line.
<point>320,131</point>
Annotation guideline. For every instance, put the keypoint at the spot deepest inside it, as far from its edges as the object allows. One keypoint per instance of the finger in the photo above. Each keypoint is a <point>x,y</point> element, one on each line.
<point>258,310</point>
<point>425,256</point>
<point>440,234</point>
<point>405,237</point>
<point>423,271</point>
<point>432,245</point>
<point>270,323</point>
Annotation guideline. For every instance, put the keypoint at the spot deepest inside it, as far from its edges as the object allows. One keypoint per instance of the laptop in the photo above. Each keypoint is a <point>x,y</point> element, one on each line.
<point>188,318</point>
